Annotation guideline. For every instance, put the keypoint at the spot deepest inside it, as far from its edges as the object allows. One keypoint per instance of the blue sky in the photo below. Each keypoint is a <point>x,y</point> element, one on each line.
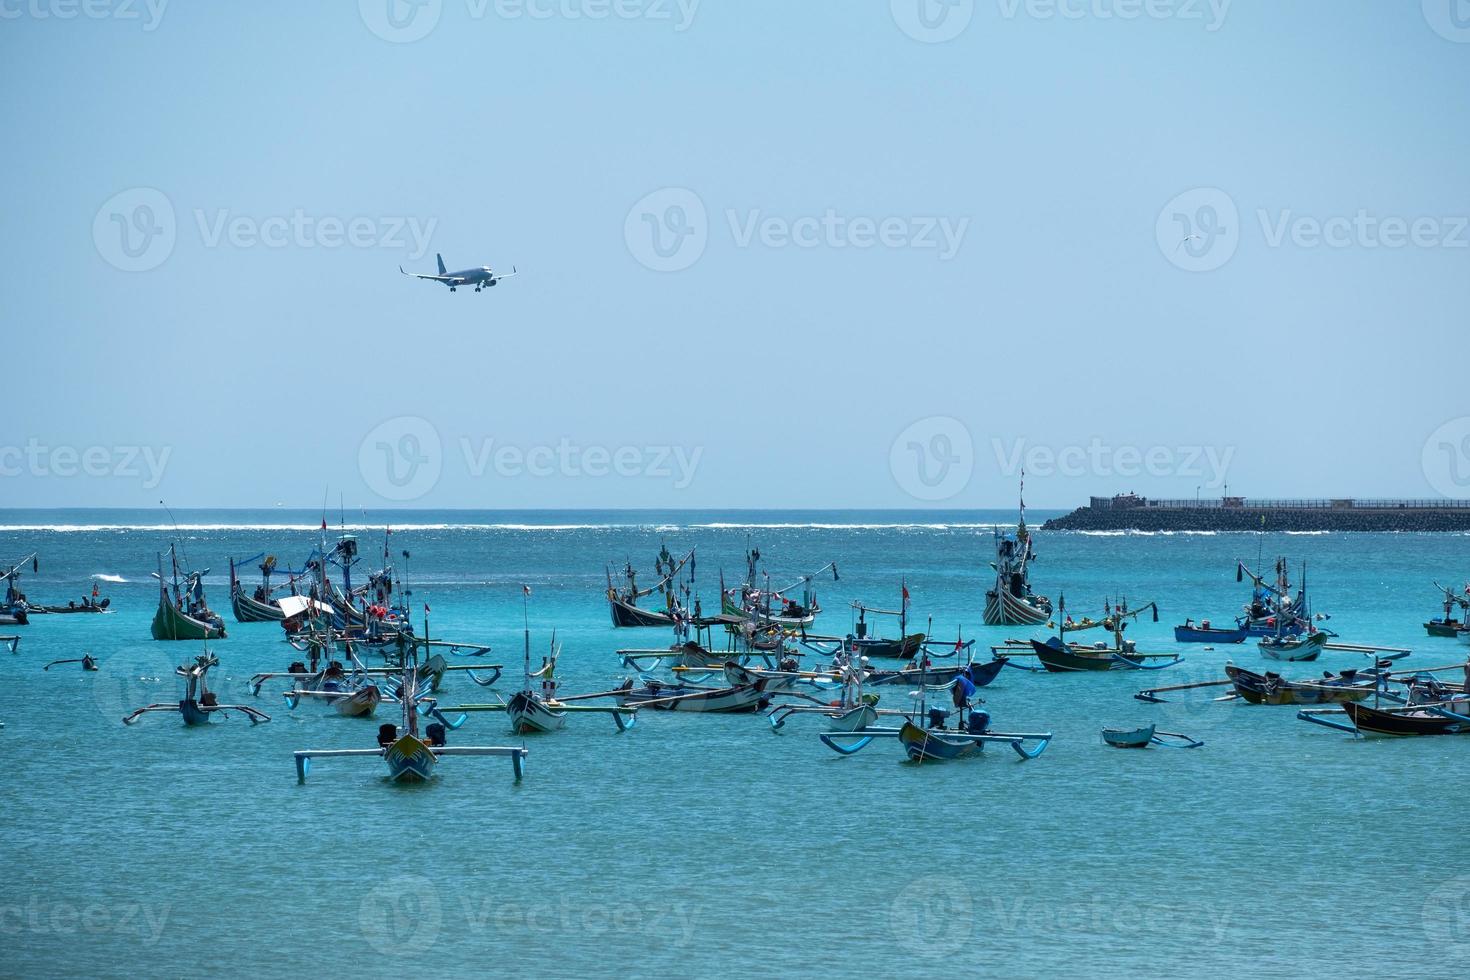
<point>893,266</point>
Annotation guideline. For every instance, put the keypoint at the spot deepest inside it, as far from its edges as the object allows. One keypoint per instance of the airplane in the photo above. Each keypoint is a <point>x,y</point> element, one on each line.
<point>482,276</point>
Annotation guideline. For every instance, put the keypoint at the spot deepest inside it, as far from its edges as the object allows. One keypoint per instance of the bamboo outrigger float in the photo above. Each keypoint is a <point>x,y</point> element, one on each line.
<point>199,702</point>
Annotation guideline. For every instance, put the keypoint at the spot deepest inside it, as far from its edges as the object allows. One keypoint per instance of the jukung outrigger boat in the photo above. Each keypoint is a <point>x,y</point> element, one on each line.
<point>1260,616</point>
<point>1010,601</point>
<point>182,612</point>
<point>770,607</point>
<point>623,602</point>
<point>258,606</point>
<point>925,736</point>
<point>409,756</point>
<point>1448,625</point>
<point>199,702</point>
<point>1056,655</point>
<point>1428,707</point>
<point>1142,738</point>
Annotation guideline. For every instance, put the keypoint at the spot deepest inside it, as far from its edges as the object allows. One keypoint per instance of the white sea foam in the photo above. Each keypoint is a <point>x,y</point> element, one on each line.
<point>103,577</point>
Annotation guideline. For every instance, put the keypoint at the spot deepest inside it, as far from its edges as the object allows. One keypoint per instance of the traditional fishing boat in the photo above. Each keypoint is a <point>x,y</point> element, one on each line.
<point>15,610</point>
<point>183,613</point>
<point>1142,738</point>
<point>1056,655</point>
<point>259,606</point>
<point>1272,688</point>
<point>740,699</point>
<point>1011,601</point>
<point>933,741</point>
<point>768,606</point>
<point>409,756</point>
<point>623,602</point>
<point>902,647</point>
<point>1300,648</point>
<point>1448,625</point>
<point>199,703</point>
<point>1206,633</point>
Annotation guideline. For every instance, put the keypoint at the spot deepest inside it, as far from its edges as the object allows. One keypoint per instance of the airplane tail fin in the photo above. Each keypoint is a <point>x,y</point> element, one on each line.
<point>442,271</point>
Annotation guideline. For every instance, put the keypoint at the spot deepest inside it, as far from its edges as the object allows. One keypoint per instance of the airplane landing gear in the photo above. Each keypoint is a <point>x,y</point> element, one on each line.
<point>477,289</point>
<point>451,289</point>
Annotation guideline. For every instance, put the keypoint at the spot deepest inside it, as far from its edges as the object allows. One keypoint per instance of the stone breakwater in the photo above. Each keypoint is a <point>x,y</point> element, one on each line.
<point>1249,519</point>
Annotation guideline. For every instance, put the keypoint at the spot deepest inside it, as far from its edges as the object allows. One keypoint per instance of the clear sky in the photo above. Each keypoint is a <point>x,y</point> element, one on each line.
<point>770,254</point>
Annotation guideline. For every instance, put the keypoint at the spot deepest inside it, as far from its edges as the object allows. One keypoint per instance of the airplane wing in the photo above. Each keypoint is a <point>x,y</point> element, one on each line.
<point>452,280</point>
<point>506,275</point>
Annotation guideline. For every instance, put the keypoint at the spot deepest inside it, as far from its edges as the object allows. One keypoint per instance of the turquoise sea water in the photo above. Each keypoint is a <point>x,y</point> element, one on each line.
<point>706,844</point>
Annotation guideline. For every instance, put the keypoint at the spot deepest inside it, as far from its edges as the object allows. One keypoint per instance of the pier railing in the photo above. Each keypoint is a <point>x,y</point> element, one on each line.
<point>1242,503</point>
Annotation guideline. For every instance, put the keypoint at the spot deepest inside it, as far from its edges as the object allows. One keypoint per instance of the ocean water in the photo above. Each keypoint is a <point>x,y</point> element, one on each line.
<point>701,845</point>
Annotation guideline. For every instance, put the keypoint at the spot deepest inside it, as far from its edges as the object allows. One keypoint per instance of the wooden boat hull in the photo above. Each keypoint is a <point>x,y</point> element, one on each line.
<point>529,714</point>
<point>1293,650</point>
<point>1137,738</point>
<point>628,616</point>
<point>410,760</point>
<point>853,719</point>
<point>360,703</point>
<point>1375,721</point>
<point>170,623</point>
<point>1197,634</point>
<point>926,746</point>
<point>1004,609</point>
<point>744,699</point>
<point>1067,660</point>
<point>1265,689</point>
<point>895,649</point>
<point>15,617</point>
<point>1450,630</point>
<point>248,609</point>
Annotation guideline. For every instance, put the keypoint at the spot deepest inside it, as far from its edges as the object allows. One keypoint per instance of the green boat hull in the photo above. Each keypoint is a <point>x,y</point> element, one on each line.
<point>172,624</point>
